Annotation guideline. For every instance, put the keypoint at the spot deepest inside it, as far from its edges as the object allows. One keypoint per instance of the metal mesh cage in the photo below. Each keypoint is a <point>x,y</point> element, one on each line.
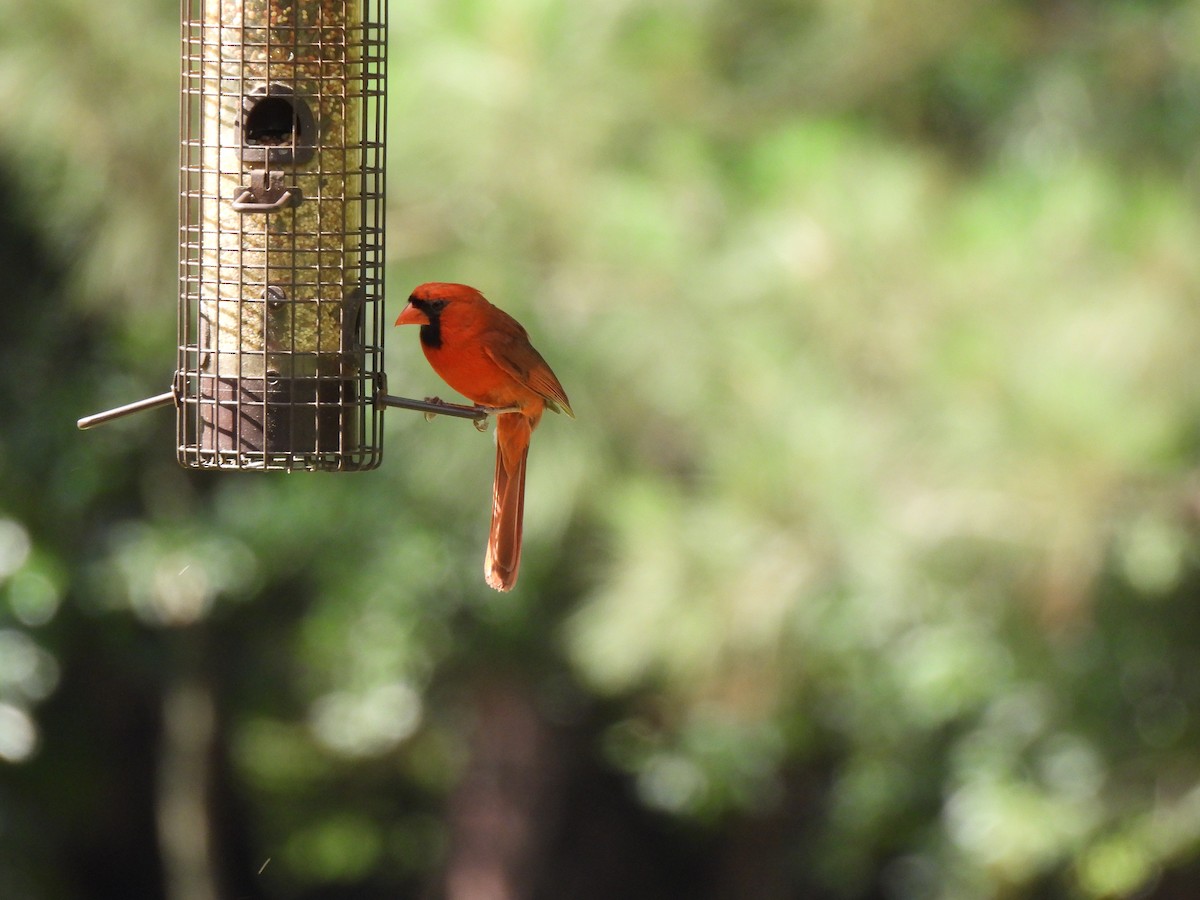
<point>280,357</point>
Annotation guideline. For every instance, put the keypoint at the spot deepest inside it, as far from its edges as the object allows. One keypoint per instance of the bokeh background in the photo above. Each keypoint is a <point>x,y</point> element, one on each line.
<point>868,570</point>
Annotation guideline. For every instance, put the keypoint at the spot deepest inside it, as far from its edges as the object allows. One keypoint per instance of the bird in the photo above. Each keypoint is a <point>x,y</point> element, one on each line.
<point>485,354</point>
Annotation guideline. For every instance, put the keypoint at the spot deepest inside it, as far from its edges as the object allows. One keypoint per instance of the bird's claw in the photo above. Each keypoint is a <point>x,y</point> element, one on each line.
<point>481,423</point>
<point>430,416</point>
<point>489,411</point>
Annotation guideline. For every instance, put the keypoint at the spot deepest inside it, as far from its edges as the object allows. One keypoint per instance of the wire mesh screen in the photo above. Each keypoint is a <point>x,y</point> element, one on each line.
<point>281,234</point>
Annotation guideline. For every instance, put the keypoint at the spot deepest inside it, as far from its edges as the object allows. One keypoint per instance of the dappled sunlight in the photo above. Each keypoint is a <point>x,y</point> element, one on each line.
<point>367,725</point>
<point>19,735</point>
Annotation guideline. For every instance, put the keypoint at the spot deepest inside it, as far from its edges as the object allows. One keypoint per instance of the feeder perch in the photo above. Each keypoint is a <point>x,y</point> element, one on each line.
<point>281,238</point>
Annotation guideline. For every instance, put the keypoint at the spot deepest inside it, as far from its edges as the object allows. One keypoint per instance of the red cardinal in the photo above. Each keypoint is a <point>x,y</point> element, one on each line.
<point>484,354</point>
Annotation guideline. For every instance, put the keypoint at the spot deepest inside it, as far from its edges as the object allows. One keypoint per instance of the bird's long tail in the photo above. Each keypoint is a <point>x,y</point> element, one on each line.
<point>503,557</point>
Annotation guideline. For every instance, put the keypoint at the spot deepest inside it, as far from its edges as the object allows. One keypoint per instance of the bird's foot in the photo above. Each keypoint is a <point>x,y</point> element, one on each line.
<point>481,423</point>
<point>430,416</point>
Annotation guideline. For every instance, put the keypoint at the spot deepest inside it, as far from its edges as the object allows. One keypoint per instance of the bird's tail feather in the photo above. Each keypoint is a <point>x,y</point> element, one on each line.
<point>503,557</point>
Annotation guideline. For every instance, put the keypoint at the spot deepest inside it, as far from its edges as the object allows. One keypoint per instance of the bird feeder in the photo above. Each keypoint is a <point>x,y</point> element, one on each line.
<point>281,238</point>
<point>281,234</point>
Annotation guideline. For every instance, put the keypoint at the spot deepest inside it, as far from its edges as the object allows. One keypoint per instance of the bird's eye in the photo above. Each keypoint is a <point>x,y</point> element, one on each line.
<point>429,307</point>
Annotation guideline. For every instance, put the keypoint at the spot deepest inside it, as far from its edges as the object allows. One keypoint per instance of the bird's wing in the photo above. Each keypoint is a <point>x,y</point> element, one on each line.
<point>513,353</point>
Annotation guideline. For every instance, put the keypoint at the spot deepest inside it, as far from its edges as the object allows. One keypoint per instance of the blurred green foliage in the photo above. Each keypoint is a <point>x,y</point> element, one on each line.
<point>876,533</point>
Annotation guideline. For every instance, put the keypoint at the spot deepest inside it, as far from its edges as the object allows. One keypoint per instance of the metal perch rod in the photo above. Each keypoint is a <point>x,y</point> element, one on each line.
<point>129,408</point>
<point>436,407</point>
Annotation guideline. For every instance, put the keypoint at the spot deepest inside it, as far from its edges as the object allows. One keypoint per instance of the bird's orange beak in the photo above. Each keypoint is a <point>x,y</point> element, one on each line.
<point>412,316</point>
